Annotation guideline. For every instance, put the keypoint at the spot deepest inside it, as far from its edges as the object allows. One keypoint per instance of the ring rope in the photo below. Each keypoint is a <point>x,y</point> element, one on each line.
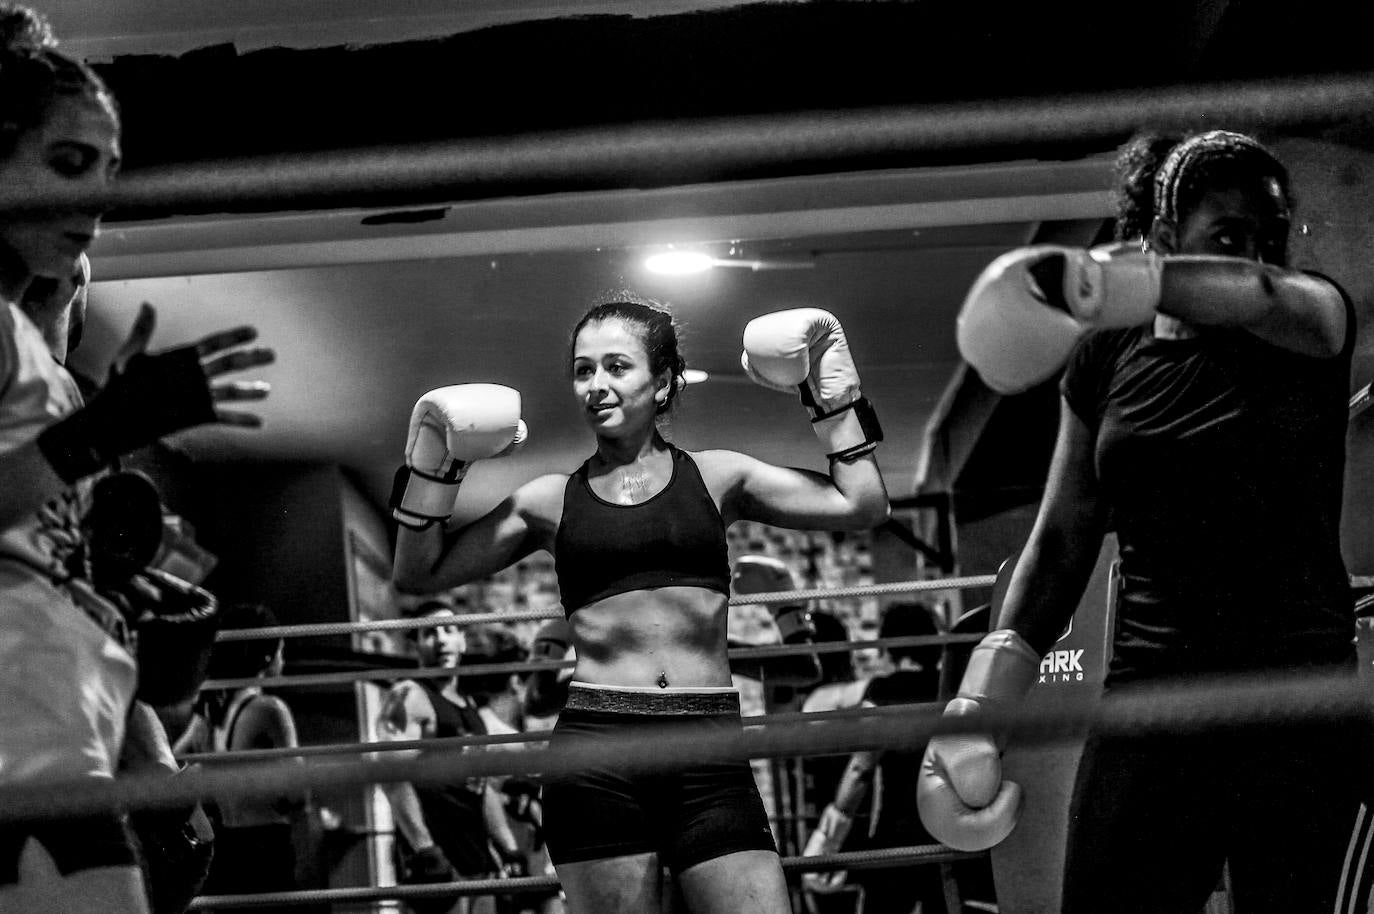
<point>873,858</point>
<point>315,629</point>
<point>758,652</point>
<point>1273,700</point>
<point>498,739</point>
<point>681,151</point>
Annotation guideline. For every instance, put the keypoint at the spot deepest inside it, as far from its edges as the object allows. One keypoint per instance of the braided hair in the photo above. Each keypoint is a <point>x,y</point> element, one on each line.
<point>655,327</point>
<point>1166,176</point>
<point>34,75</point>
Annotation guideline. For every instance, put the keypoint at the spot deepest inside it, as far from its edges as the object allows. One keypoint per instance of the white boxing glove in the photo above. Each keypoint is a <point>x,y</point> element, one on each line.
<point>1027,309</point>
<point>804,350</point>
<point>828,838</point>
<point>450,427</point>
<point>960,794</point>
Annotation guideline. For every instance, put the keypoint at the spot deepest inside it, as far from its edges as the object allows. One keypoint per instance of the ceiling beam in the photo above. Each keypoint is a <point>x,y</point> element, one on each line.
<point>699,214</point>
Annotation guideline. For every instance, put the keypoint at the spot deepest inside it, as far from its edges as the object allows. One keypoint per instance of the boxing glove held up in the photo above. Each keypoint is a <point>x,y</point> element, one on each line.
<point>1026,310</point>
<point>450,427</point>
<point>805,350</point>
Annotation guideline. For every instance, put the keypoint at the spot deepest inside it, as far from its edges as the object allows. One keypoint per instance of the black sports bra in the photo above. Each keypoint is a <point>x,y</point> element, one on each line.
<point>676,538</point>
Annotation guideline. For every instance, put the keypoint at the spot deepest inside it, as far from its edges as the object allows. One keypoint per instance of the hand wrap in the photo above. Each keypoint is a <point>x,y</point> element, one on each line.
<point>154,395</point>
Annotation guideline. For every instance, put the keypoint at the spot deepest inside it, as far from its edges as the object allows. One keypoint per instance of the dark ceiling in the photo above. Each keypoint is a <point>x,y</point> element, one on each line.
<point>367,312</point>
<point>556,74</point>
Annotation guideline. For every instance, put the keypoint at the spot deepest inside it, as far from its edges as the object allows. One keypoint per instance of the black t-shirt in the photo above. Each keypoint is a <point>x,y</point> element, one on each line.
<point>1221,458</point>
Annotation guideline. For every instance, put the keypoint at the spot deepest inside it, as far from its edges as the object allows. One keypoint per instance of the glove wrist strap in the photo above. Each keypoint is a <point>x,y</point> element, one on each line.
<point>850,431</point>
<point>420,500</point>
<point>1117,291</point>
<point>1003,667</point>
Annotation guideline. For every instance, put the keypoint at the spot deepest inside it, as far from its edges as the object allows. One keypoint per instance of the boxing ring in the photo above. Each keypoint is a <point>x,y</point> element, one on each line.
<point>660,155</point>
<point>1174,710</point>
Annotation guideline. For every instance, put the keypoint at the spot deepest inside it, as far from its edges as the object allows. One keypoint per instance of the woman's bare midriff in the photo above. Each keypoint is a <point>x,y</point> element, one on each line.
<point>645,638</point>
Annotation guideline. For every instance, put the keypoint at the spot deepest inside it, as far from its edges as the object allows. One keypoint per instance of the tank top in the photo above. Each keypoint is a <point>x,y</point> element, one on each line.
<point>245,812</point>
<point>453,810</point>
<point>674,539</point>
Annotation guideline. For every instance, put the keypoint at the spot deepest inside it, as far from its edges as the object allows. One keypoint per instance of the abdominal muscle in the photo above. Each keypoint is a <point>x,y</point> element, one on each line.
<point>646,637</point>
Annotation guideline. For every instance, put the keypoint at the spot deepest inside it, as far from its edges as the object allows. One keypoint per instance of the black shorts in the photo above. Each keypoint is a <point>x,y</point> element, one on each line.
<point>1153,819</point>
<point>74,845</point>
<point>686,817</point>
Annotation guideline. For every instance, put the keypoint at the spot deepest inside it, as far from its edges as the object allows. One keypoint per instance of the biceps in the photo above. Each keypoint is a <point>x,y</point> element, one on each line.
<point>402,716</point>
<point>484,547</point>
<point>789,497</point>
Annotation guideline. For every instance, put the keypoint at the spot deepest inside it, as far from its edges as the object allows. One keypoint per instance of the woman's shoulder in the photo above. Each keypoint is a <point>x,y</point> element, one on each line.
<point>719,460</point>
<point>721,470</point>
<point>263,706</point>
<point>542,496</point>
<point>834,696</point>
<point>543,486</point>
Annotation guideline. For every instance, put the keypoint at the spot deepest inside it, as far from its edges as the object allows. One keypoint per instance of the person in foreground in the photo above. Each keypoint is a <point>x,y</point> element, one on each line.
<point>638,537</point>
<point>68,676</point>
<point>1203,419</point>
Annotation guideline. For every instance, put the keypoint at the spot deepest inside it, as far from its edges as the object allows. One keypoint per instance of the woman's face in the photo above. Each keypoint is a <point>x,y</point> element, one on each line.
<point>1249,222</point>
<point>612,380</point>
<point>76,148</point>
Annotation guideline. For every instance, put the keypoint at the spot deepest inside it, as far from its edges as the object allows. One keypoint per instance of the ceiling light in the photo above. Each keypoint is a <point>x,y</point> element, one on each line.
<point>685,263</point>
<point>679,263</point>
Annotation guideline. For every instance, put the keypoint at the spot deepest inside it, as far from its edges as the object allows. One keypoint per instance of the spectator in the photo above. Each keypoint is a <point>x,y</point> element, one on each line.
<point>254,848</point>
<point>445,831</point>
<point>889,777</point>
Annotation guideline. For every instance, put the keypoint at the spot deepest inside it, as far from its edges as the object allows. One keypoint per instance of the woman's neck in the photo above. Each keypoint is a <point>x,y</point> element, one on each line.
<point>616,452</point>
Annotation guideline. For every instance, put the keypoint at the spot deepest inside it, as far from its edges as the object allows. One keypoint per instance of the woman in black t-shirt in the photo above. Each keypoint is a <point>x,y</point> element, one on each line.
<point>1205,427</point>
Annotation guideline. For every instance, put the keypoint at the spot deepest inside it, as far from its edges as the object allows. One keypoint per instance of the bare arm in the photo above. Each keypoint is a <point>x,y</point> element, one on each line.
<point>855,782</point>
<point>218,354</point>
<point>852,497</point>
<point>1058,559</point>
<point>406,715</point>
<point>1295,311</point>
<point>146,747</point>
<point>436,559</point>
<point>498,826</point>
<point>267,723</point>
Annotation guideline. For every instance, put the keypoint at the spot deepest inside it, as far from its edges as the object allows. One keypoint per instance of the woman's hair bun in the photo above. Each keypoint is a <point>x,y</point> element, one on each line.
<point>23,29</point>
